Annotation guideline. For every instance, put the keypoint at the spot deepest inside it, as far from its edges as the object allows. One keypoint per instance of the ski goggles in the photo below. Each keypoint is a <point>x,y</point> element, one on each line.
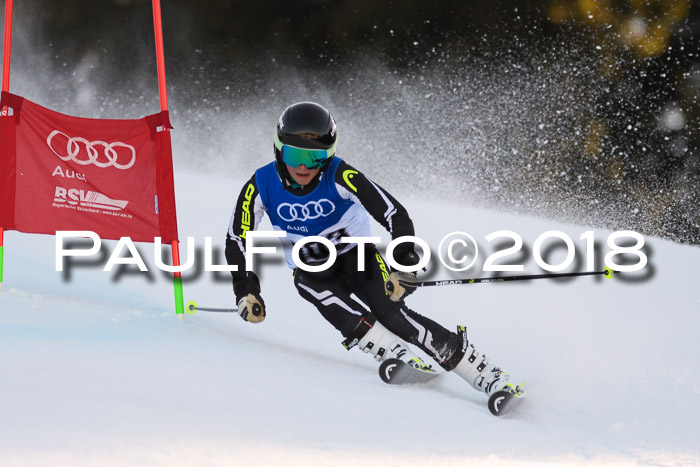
<point>310,158</point>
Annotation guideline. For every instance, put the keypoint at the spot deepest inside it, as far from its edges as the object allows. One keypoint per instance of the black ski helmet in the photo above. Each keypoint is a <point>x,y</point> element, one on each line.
<point>306,125</point>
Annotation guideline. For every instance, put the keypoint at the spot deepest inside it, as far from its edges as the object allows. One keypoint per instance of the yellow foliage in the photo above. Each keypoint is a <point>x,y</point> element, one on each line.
<point>639,6</point>
<point>655,42</point>
<point>595,11</point>
<point>559,12</point>
<point>594,140</point>
<point>645,28</point>
<point>677,10</point>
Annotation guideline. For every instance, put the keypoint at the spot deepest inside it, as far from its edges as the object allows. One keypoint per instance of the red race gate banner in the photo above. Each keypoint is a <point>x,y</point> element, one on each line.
<point>113,177</point>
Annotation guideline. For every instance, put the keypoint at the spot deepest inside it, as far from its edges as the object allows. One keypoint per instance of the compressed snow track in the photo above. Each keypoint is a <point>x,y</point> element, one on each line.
<point>97,370</point>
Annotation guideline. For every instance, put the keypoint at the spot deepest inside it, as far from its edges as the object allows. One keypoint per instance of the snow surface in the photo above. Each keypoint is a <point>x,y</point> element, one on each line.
<point>95,369</point>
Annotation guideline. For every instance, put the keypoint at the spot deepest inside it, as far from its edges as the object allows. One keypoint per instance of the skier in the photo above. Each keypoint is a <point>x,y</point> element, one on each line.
<point>306,191</point>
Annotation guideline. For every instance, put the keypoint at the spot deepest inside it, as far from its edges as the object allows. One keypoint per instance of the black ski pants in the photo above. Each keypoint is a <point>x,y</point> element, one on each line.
<point>340,291</point>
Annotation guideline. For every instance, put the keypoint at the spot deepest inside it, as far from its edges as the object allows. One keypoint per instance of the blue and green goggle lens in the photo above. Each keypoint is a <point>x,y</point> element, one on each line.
<point>310,158</point>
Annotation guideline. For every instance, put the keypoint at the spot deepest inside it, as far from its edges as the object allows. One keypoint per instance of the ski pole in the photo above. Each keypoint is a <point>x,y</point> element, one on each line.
<point>607,272</point>
<point>192,308</point>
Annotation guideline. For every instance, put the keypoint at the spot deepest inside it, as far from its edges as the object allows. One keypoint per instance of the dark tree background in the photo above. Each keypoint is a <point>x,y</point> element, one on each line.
<point>590,107</point>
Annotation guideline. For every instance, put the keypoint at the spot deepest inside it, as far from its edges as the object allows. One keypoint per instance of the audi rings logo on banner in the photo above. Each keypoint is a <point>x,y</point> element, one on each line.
<point>303,212</point>
<point>100,153</point>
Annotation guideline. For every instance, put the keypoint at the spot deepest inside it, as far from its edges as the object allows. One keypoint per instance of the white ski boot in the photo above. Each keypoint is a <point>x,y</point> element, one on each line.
<point>372,337</point>
<point>476,370</point>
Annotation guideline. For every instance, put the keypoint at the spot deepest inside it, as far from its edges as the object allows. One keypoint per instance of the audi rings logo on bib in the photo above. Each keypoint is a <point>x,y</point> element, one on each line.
<point>119,155</point>
<point>303,212</point>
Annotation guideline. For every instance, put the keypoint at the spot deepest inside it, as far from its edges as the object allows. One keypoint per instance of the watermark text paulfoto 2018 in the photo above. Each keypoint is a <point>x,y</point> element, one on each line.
<point>457,251</point>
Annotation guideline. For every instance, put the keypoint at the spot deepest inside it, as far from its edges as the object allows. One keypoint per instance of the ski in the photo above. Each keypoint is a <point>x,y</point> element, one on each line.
<point>395,371</point>
<point>504,401</point>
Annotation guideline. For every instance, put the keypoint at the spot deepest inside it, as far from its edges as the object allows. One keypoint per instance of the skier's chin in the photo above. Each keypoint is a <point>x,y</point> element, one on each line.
<point>302,176</point>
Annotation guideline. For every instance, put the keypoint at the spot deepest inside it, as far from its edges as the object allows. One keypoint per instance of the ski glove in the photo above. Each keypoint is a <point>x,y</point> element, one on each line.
<point>392,287</point>
<point>252,308</point>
